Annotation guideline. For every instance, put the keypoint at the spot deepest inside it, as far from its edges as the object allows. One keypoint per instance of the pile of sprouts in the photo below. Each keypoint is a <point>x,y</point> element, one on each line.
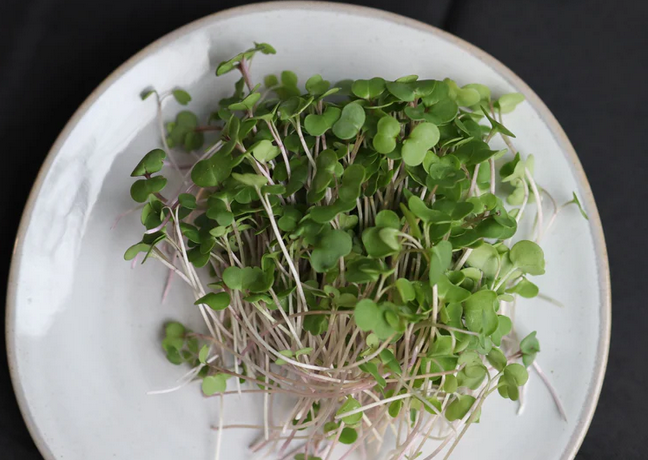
<point>348,250</point>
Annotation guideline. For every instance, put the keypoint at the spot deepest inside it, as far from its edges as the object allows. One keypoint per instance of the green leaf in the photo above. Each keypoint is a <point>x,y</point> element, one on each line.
<point>508,102</point>
<point>350,405</point>
<point>181,96</point>
<point>529,346</point>
<point>368,89</point>
<point>317,86</point>
<point>136,249</point>
<point>450,386</point>
<point>459,407</point>
<point>350,122</point>
<point>388,219</point>
<point>468,96</point>
<point>472,376</point>
<point>450,291</point>
<point>515,170</point>
<point>577,202</point>
<point>401,90</point>
<point>251,278</point>
<point>303,351</point>
<point>395,408</point>
<point>442,112</point>
<point>497,227</point>
<point>405,289</point>
<point>422,138</point>
<point>146,93</point>
<point>366,314</point>
<point>439,93</point>
<point>215,301</point>
<point>408,89</point>
<point>474,152</point>
<point>442,346</point>
<point>528,257</point>
<point>440,260</point>
<point>316,125</point>
<point>348,436</point>
<point>484,91</point>
<point>316,324</point>
<point>329,249</point>
<point>372,369</point>
<point>270,80</point>
<point>497,127</point>
<point>174,329</point>
<point>287,354</point>
<point>524,288</point>
<point>325,214</point>
<point>517,372</point>
<point>420,209</point>
<point>247,103</point>
<point>213,384</point>
<point>380,242</point>
<point>497,359</point>
<point>229,65</point>
<point>352,180</point>
<point>187,200</point>
<point>142,188</point>
<point>214,170</point>
<point>479,311</point>
<point>203,354</point>
<point>303,456</point>
<point>233,278</point>
<point>486,258</point>
<point>264,151</point>
<point>151,163</point>
<point>465,96</point>
<point>504,326</point>
<point>364,270</point>
<point>388,129</point>
<point>197,258</point>
<point>293,106</point>
<point>288,78</point>
<point>253,180</point>
<point>193,140</point>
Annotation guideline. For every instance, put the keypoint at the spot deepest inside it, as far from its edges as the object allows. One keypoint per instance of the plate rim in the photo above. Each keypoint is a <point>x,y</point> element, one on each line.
<point>594,389</point>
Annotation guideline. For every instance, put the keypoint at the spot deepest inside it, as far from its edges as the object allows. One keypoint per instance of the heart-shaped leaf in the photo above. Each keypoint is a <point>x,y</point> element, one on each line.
<point>422,138</point>
<point>151,163</point>
<point>350,122</point>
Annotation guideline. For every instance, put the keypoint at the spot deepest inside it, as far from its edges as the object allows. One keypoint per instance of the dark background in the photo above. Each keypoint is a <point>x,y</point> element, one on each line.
<point>587,59</point>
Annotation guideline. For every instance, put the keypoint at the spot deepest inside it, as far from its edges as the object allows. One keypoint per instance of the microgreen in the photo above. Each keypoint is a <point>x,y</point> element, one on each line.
<point>356,253</point>
<point>181,96</point>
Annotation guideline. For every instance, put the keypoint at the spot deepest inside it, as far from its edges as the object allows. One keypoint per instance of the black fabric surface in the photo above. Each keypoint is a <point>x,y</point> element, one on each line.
<point>587,59</point>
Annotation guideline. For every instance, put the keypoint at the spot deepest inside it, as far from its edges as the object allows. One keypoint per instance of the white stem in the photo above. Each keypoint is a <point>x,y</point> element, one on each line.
<point>524,201</point>
<point>473,182</point>
<point>460,263</point>
<point>303,143</point>
<point>491,162</point>
<point>221,418</point>
<point>282,148</point>
<point>551,389</point>
<point>372,405</point>
<point>289,260</point>
<point>538,199</point>
<point>163,136</point>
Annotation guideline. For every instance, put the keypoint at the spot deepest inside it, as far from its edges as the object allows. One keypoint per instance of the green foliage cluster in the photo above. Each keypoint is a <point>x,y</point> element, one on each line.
<point>353,237</point>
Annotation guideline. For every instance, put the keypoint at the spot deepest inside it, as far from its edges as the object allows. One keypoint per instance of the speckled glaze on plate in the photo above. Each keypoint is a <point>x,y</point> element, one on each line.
<point>83,327</point>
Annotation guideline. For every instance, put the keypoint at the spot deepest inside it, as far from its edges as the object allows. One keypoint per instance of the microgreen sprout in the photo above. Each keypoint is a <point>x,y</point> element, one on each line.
<point>359,260</point>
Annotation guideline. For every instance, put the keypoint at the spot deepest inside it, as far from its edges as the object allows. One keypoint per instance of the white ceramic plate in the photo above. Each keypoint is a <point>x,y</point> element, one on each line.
<point>83,328</point>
